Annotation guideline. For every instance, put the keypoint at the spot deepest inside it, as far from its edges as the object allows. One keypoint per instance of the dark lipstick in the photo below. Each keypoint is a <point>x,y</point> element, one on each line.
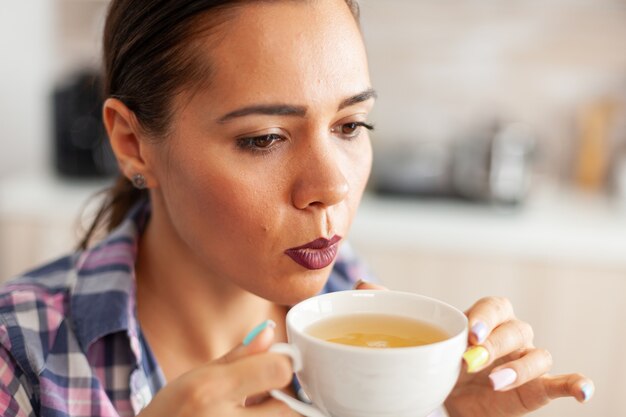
<point>317,254</point>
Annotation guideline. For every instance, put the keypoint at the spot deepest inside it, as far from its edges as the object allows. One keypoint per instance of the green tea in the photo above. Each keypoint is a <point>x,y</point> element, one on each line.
<point>376,331</point>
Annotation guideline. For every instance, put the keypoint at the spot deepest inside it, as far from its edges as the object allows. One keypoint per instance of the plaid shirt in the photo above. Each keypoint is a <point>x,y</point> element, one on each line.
<point>70,342</point>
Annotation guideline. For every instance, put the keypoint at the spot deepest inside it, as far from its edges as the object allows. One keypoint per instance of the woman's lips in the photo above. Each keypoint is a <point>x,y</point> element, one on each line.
<point>317,254</point>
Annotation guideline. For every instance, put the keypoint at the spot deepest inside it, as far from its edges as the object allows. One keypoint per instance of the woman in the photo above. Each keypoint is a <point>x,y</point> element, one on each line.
<point>240,128</point>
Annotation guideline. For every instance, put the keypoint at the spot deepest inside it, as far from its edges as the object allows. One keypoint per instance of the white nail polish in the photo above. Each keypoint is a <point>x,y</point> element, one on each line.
<point>479,330</point>
<point>588,390</point>
<point>502,378</point>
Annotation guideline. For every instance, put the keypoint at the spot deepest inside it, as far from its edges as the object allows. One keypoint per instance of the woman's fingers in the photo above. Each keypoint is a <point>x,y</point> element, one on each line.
<point>270,408</point>
<point>571,385</point>
<point>507,338</point>
<point>364,285</point>
<point>531,365</point>
<point>260,342</point>
<point>487,314</point>
<point>256,399</point>
<point>256,374</point>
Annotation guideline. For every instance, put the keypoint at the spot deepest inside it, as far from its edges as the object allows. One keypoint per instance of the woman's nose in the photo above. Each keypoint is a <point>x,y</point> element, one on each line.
<point>321,181</point>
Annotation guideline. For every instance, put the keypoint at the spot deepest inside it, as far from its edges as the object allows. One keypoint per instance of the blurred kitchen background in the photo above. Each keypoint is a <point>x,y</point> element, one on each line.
<point>500,164</point>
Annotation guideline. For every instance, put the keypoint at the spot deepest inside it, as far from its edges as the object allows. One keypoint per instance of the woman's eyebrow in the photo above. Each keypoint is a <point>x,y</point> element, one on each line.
<point>292,110</point>
<point>358,98</point>
<point>265,110</point>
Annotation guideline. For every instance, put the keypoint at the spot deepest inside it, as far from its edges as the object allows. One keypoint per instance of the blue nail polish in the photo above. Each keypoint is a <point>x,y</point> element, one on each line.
<point>587,390</point>
<point>479,330</point>
<point>258,329</point>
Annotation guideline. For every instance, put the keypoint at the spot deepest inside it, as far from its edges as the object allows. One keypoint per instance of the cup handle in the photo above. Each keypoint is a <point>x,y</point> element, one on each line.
<point>294,354</point>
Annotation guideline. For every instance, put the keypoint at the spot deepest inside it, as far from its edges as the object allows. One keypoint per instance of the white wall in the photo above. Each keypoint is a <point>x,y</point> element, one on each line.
<point>25,61</point>
<point>442,67</point>
<point>41,42</point>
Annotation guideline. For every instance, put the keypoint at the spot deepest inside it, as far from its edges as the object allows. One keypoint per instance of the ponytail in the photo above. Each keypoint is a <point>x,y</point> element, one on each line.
<point>118,199</point>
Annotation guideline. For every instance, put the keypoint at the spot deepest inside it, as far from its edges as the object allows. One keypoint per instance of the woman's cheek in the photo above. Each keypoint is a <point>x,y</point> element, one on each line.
<point>363,160</point>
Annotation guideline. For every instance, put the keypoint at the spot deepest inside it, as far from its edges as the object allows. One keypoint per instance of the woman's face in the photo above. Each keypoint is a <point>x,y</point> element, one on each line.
<point>274,154</point>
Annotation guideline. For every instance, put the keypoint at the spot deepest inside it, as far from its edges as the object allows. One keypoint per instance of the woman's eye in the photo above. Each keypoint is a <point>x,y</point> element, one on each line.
<point>265,141</point>
<point>352,129</point>
<point>349,128</point>
<point>262,143</point>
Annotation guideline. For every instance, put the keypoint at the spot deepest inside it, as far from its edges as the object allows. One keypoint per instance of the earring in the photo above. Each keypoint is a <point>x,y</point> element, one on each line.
<point>139,181</point>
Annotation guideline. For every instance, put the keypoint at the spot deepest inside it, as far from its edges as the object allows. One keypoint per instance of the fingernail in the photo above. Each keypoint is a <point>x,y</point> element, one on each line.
<point>502,378</point>
<point>358,284</point>
<point>258,329</point>
<point>475,358</point>
<point>479,330</point>
<point>588,390</point>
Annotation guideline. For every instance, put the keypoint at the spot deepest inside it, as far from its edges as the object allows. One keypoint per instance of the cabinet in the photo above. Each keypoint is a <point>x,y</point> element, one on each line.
<point>39,219</point>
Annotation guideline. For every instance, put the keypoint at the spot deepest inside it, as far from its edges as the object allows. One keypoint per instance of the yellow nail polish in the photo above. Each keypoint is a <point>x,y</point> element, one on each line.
<point>475,357</point>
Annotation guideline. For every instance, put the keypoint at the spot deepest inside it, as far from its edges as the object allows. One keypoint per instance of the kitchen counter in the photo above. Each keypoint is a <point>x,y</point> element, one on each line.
<point>46,197</point>
<point>553,225</point>
<point>39,219</point>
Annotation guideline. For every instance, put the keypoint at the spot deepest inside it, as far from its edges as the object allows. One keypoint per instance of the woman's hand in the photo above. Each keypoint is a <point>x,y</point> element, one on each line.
<point>234,385</point>
<point>505,376</point>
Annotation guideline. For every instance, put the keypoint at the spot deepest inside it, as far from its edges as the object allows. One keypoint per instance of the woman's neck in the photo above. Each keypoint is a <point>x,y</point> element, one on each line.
<point>187,316</point>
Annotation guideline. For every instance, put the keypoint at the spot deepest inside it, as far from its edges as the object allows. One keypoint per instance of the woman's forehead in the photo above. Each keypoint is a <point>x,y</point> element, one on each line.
<point>304,51</point>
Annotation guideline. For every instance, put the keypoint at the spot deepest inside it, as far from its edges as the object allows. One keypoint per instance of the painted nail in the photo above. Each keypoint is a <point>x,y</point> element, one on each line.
<point>475,357</point>
<point>503,378</point>
<point>258,329</point>
<point>358,284</point>
<point>588,390</point>
<point>479,330</point>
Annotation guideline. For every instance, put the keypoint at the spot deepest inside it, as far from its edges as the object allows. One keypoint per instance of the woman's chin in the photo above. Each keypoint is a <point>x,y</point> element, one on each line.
<point>295,288</point>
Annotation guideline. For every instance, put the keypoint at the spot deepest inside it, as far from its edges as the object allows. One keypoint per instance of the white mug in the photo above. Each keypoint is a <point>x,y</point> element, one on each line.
<point>352,381</point>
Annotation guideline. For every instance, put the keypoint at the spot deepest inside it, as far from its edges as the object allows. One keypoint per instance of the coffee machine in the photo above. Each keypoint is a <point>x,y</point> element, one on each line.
<point>81,147</point>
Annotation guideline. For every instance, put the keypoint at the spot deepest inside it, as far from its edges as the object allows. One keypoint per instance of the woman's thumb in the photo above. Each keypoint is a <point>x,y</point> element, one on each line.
<point>258,340</point>
<point>364,285</point>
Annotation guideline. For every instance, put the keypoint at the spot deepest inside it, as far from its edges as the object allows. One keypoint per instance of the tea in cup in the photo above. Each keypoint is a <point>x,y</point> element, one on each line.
<point>378,331</point>
<point>369,353</point>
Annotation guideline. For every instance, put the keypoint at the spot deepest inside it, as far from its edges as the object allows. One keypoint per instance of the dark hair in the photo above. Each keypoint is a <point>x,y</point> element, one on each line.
<point>148,59</point>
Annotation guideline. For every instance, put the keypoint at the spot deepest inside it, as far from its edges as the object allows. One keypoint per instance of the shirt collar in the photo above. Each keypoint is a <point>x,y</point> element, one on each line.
<point>103,295</point>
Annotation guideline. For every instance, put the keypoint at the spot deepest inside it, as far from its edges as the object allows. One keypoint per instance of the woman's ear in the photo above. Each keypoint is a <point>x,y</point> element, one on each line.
<point>128,142</point>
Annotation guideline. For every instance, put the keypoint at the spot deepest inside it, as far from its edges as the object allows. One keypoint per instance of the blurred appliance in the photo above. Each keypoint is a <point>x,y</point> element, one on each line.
<point>490,166</point>
<point>81,148</point>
